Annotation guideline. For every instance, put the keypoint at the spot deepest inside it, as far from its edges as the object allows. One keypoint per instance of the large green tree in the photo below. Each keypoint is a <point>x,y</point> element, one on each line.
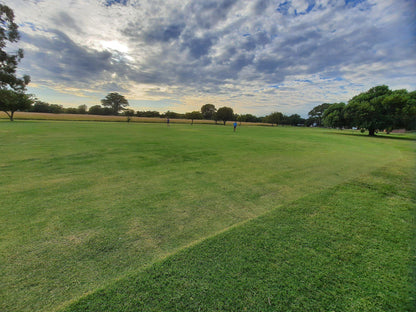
<point>12,97</point>
<point>225,114</point>
<point>274,118</point>
<point>315,115</point>
<point>334,116</point>
<point>208,111</point>
<point>400,109</point>
<point>194,115</point>
<point>295,120</point>
<point>366,110</point>
<point>12,101</point>
<point>382,109</point>
<point>115,101</point>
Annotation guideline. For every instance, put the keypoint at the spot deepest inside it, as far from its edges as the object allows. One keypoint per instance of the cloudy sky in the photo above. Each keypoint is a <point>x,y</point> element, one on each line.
<point>256,56</point>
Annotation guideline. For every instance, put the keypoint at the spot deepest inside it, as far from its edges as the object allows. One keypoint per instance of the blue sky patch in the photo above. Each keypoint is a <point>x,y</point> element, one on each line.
<point>111,2</point>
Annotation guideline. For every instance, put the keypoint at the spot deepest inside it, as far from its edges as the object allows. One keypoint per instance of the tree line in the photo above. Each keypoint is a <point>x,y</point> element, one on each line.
<point>378,109</point>
<point>117,105</point>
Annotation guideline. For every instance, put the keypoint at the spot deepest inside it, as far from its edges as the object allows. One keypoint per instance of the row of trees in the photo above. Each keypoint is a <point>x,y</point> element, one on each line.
<point>43,107</point>
<point>376,109</point>
<point>114,104</point>
<point>208,111</point>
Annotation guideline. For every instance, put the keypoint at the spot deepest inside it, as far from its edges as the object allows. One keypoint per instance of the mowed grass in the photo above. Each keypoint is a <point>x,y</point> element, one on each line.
<point>348,248</point>
<point>84,204</point>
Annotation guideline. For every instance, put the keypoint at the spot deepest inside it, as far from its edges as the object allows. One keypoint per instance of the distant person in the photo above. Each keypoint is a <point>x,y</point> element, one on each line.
<point>167,121</point>
<point>235,125</point>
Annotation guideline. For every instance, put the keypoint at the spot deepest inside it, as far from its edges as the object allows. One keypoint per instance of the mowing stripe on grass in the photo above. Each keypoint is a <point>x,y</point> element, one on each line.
<point>347,248</point>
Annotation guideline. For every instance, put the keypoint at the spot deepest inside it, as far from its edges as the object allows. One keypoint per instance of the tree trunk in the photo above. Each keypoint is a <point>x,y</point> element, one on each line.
<point>371,132</point>
<point>10,115</point>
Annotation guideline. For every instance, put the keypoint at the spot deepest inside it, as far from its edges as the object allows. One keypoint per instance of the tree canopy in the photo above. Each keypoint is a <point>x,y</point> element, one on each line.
<point>315,115</point>
<point>334,115</point>
<point>12,88</point>
<point>274,118</point>
<point>225,114</point>
<point>11,101</point>
<point>194,115</point>
<point>115,101</point>
<point>379,108</point>
<point>208,111</point>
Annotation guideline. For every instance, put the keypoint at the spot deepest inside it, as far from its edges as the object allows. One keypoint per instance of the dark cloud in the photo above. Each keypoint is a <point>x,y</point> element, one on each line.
<point>209,13</point>
<point>113,87</point>
<point>261,6</point>
<point>199,46</point>
<point>61,59</point>
<point>156,32</point>
<point>268,64</point>
<point>164,33</point>
<point>240,61</point>
<point>64,20</point>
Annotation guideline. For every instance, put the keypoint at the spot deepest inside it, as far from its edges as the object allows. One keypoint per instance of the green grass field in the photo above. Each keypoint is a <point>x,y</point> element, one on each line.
<point>126,217</point>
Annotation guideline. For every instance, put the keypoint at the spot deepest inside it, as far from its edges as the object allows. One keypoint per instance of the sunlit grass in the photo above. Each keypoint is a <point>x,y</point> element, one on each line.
<point>347,248</point>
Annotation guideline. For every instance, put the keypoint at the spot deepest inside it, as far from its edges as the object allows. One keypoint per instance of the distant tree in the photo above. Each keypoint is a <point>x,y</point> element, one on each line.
<point>247,118</point>
<point>40,107</point>
<point>295,120</point>
<point>225,114</point>
<point>82,109</point>
<point>43,107</point>
<point>173,115</point>
<point>240,118</point>
<point>12,101</point>
<point>208,111</point>
<point>71,110</point>
<point>129,113</point>
<point>194,115</point>
<point>215,117</point>
<point>12,88</point>
<point>334,116</point>
<point>148,114</point>
<point>56,109</point>
<point>274,118</point>
<point>315,115</point>
<point>96,110</point>
<point>115,101</point>
<point>251,118</point>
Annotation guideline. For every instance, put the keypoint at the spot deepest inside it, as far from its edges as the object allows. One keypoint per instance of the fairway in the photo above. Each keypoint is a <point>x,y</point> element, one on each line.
<point>95,205</point>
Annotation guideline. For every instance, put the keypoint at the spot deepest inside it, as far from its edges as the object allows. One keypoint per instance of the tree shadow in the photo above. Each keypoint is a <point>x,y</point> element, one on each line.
<point>381,136</point>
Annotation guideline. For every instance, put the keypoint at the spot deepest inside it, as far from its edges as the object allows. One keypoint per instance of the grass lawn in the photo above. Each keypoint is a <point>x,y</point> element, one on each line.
<point>111,206</point>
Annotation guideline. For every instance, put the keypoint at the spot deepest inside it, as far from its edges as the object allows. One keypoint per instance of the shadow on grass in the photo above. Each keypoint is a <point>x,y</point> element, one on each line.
<point>406,137</point>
